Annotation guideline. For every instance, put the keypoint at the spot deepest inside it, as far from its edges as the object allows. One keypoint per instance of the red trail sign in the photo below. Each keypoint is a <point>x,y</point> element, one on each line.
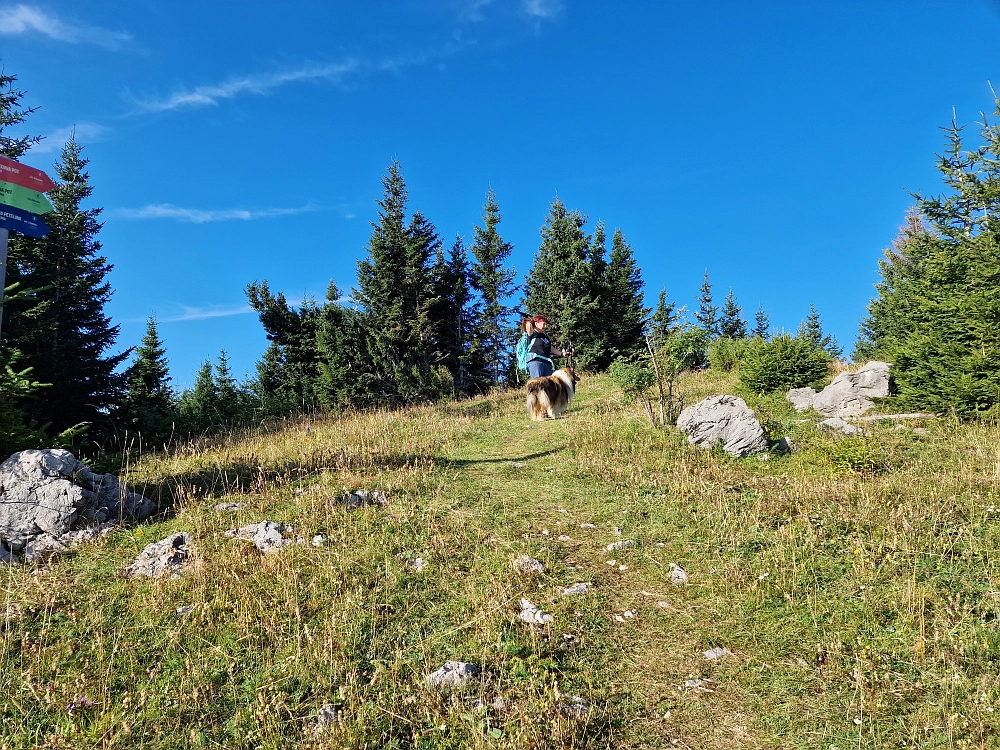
<point>25,176</point>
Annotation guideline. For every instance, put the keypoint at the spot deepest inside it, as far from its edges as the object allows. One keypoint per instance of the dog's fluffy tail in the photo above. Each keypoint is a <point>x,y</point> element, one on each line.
<point>538,400</point>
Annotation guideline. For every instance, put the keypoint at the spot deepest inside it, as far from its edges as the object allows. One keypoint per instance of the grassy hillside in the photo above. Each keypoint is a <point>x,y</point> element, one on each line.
<point>854,582</point>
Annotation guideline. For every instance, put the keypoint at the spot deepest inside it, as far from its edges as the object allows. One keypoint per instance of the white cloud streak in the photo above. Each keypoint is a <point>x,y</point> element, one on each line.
<point>204,313</point>
<point>542,9</point>
<point>26,19</point>
<point>203,216</point>
<point>85,132</point>
<point>259,84</point>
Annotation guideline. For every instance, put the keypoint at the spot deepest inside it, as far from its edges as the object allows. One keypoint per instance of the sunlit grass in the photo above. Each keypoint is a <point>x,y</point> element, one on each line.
<point>854,582</point>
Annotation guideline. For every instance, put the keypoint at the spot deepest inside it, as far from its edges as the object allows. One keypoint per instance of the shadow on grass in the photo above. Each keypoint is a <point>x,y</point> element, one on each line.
<point>459,463</point>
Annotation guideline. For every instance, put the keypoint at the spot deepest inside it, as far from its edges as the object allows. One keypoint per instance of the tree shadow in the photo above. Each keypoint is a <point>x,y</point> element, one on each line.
<point>457,463</point>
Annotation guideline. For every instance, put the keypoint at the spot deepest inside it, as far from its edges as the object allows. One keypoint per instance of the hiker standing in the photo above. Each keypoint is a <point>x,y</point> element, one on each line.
<point>539,347</point>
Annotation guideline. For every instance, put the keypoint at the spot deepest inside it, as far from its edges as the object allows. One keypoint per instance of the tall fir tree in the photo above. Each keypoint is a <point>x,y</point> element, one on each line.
<point>13,113</point>
<point>148,407</point>
<point>664,319</point>
<point>454,316</point>
<point>707,315</point>
<point>288,372</point>
<point>936,318</point>
<point>812,330</point>
<point>731,322</point>
<point>494,282</point>
<point>762,324</point>
<point>59,322</point>
<point>395,293</point>
<point>346,376</point>
<point>197,404</point>
<point>560,283</point>
<point>628,315</point>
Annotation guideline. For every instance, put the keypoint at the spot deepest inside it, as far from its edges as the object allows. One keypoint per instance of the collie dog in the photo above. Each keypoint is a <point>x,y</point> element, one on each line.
<point>551,396</point>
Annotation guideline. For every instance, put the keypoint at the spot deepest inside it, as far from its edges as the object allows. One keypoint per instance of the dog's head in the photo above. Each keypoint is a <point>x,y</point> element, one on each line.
<point>572,374</point>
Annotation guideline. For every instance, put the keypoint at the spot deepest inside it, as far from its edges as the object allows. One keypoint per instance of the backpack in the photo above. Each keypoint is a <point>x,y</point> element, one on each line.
<point>523,347</point>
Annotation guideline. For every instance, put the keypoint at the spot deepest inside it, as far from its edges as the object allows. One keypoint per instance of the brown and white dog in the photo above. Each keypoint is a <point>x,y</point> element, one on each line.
<point>551,396</point>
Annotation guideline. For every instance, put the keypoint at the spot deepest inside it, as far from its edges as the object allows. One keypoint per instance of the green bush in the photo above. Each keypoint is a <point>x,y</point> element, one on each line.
<point>783,362</point>
<point>727,354</point>
<point>635,378</point>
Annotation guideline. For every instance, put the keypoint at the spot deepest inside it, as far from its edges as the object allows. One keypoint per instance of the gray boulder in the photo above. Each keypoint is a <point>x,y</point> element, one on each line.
<point>801,398</point>
<point>726,420</point>
<point>836,424</point>
<point>851,393</point>
<point>50,492</point>
<point>453,674</point>
<point>267,536</point>
<point>168,555</point>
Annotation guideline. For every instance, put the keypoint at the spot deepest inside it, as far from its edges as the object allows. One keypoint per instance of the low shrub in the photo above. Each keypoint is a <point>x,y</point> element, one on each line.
<point>783,362</point>
<point>727,354</point>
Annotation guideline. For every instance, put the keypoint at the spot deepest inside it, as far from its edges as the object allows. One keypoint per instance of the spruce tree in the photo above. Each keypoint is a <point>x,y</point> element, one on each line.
<point>12,113</point>
<point>395,293</point>
<point>287,374</point>
<point>59,323</point>
<point>453,314</point>
<point>494,282</point>
<point>197,404</point>
<point>148,407</point>
<point>937,313</point>
<point>664,319</point>
<point>624,288</point>
<point>731,323</point>
<point>707,315</point>
<point>811,329</point>
<point>762,324</point>
<point>560,285</point>
<point>346,373</point>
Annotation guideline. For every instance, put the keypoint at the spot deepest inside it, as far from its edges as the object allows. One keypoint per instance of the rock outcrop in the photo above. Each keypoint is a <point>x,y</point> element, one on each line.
<point>849,395</point>
<point>726,420</point>
<point>167,556</point>
<point>50,500</point>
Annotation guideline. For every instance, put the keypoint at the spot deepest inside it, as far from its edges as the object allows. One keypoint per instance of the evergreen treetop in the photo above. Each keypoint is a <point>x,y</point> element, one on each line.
<point>731,323</point>
<point>707,314</point>
<point>762,324</point>
<point>12,113</point>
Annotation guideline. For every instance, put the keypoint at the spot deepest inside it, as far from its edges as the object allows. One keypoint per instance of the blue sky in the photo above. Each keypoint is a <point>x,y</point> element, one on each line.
<point>772,143</point>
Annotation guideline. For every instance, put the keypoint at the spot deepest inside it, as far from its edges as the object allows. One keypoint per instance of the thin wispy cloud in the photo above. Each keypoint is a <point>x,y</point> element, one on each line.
<point>205,312</point>
<point>16,20</point>
<point>204,216</point>
<point>543,10</point>
<point>255,84</point>
<point>84,132</point>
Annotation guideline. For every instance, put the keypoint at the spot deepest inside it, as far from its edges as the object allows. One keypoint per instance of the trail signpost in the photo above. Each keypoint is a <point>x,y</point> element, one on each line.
<point>22,202</point>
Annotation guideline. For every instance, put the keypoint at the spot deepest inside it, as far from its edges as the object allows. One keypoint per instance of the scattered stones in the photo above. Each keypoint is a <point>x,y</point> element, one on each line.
<point>267,536</point>
<point>184,610</point>
<point>576,589</point>
<point>50,492</point>
<point>525,565</point>
<point>678,576</point>
<point>725,420</point>
<point>498,704</point>
<point>319,540</point>
<point>419,564</point>
<point>327,718</point>
<point>169,555</point>
<point>43,548</point>
<point>851,393</point>
<point>716,653</point>
<point>624,544</point>
<point>564,538</point>
<point>229,507</point>
<point>698,684</point>
<point>836,424</point>
<point>452,675</point>
<point>573,707</point>
<point>801,398</point>
<point>588,526</point>
<point>364,498</point>
<point>533,615</point>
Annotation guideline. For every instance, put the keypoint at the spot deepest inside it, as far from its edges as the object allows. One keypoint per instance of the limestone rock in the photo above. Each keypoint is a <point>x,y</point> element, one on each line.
<point>624,544</point>
<point>452,674</point>
<point>363,499</point>
<point>526,565</point>
<point>801,398</point>
<point>573,707</point>
<point>267,536</point>
<point>576,589</point>
<point>533,615</point>
<point>50,492</point>
<point>168,555</point>
<point>836,424</point>
<point>726,420</point>
<point>851,393</point>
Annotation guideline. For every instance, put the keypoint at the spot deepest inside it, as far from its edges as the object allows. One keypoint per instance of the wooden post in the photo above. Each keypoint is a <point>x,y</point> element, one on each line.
<point>4,235</point>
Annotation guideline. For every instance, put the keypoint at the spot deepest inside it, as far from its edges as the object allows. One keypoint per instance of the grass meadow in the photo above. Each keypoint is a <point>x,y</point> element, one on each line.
<point>854,582</point>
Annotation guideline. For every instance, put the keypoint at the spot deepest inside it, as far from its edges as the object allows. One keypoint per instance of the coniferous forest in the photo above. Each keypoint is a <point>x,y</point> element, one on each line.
<point>430,317</point>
